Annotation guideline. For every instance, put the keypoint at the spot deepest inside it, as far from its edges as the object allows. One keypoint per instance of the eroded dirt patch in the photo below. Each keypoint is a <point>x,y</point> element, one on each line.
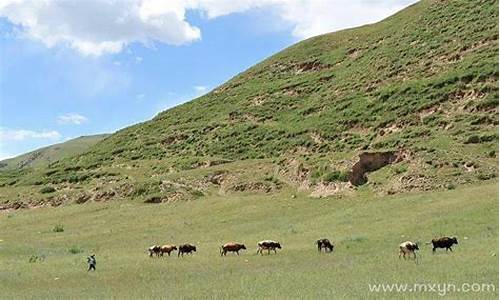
<point>369,162</point>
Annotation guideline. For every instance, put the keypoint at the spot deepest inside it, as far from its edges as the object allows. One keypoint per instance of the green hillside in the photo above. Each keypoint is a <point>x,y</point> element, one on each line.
<point>420,86</point>
<point>44,156</point>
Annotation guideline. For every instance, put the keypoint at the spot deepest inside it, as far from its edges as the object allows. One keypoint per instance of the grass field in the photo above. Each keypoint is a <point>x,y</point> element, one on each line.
<point>366,232</point>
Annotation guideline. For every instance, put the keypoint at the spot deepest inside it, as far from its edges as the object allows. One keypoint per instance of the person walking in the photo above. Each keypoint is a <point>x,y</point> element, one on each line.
<point>92,262</point>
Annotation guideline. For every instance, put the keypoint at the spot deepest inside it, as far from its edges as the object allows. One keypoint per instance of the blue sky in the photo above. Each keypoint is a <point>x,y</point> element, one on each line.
<point>63,75</point>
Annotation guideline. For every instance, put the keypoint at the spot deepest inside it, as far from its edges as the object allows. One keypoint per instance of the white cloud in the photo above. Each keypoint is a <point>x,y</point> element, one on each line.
<point>23,134</point>
<point>201,89</point>
<point>95,27</point>
<point>71,118</point>
<point>140,97</point>
<point>310,18</point>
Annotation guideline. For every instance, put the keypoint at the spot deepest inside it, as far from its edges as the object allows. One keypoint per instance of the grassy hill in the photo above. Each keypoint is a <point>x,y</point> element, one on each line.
<point>365,230</point>
<point>420,86</point>
<point>44,156</point>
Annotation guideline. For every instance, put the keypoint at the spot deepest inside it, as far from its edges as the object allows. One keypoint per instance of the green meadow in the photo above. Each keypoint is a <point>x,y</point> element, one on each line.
<point>43,251</point>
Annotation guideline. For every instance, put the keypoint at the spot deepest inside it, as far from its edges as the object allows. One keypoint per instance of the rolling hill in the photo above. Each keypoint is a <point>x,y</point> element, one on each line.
<point>44,156</point>
<point>409,103</point>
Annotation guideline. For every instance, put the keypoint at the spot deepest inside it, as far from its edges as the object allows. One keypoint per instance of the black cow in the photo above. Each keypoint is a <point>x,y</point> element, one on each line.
<point>186,248</point>
<point>444,242</point>
<point>155,249</point>
<point>324,243</point>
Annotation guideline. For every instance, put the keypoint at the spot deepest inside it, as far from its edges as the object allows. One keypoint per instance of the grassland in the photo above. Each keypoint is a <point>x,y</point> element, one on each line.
<point>366,230</point>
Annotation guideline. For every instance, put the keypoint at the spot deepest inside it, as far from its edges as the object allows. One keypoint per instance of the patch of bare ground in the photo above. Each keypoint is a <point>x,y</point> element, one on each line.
<point>217,177</point>
<point>299,150</point>
<point>373,85</point>
<point>330,189</point>
<point>299,67</point>
<point>255,186</point>
<point>354,53</point>
<point>424,113</point>
<point>210,163</point>
<point>10,206</point>
<point>258,100</point>
<point>295,172</point>
<point>470,166</point>
<point>226,87</point>
<point>391,128</point>
<point>420,182</point>
<point>369,162</point>
<point>175,138</point>
<point>168,198</point>
<point>317,138</point>
<point>291,92</point>
<point>356,129</point>
<point>462,97</point>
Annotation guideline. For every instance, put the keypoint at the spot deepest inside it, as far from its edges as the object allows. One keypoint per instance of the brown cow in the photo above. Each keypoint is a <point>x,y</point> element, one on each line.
<point>167,249</point>
<point>231,247</point>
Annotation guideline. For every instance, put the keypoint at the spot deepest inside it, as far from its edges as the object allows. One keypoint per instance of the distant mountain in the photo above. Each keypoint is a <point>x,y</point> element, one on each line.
<point>44,156</point>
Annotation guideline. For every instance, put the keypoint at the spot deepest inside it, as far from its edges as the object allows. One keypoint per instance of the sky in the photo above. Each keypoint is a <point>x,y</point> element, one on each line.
<point>71,68</point>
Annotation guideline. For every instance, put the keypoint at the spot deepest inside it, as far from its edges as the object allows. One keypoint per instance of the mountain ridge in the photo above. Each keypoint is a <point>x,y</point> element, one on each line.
<point>41,156</point>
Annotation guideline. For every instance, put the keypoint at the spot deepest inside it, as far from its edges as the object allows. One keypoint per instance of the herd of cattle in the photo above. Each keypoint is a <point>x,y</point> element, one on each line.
<point>406,248</point>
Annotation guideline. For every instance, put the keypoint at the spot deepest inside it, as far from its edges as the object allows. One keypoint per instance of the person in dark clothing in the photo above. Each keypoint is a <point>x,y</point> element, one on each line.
<point>91,261</point>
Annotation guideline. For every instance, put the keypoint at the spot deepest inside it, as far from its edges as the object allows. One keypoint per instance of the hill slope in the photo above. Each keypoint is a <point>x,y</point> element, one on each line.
<point>420,88</point>
<point>44,156</point>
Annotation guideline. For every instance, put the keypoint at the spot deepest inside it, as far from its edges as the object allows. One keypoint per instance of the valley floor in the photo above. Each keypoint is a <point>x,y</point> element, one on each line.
<point>365,230</point>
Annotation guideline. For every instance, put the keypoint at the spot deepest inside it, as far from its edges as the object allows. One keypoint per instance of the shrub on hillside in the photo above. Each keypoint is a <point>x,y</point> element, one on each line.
<point>336,175</point>
<point>475,139</point>
<point>153,199</point>
<point>47,189</point>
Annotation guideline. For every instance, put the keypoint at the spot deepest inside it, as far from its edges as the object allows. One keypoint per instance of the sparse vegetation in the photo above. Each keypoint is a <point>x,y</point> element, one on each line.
<point>336,176</point>
<point>58,228</point>
<point>75,250</point>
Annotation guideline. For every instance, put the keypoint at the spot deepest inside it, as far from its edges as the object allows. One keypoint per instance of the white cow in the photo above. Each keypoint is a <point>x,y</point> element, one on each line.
<point>408,248</point>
